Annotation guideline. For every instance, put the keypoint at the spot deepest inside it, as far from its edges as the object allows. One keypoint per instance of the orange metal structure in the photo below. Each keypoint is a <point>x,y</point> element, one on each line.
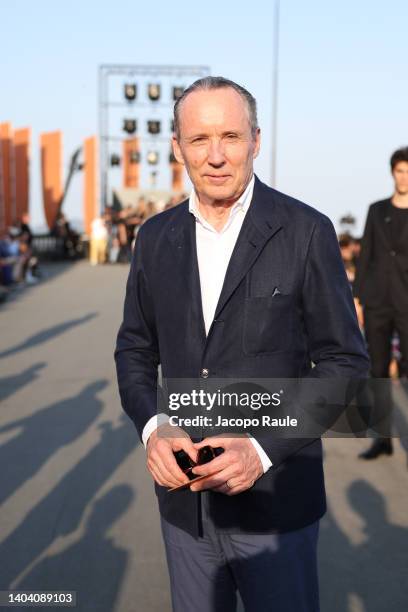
<point>51,171</point>
<point>131,170</point>
<point>7,208</point>
<point>90,182</point>
<point>21,170</point>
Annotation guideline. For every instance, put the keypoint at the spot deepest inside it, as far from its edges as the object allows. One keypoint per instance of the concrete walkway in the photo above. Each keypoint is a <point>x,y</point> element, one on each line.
<point>77,508</point>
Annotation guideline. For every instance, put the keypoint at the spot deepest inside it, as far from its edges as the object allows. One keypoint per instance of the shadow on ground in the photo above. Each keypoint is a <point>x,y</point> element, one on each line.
<point>94,553</point>
<point>92,563</point>
<point>47,334</point>
<point>12,384</point>
<point>43,433</point>
<point>368,575</point>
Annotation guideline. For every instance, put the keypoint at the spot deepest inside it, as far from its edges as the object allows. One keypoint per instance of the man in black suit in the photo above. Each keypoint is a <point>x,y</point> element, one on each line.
<point>381,294</point>
<point>240,281</point>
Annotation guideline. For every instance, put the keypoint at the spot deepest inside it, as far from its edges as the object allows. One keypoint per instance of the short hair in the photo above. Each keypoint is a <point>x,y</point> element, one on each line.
<point>345,240</point>
<point>211,82</point>
<point>401,155</point>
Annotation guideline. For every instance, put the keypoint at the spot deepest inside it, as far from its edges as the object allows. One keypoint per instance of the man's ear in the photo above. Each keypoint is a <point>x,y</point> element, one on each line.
<point>177,150</point>
<point>257,142</point>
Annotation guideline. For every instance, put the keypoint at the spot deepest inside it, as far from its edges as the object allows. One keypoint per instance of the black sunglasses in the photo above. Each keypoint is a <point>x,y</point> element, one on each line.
<point>205,455</point>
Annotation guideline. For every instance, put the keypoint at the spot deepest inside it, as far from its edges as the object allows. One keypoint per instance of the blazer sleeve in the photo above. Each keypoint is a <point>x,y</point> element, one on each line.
<point>137,352</point>
<point>335,343</point>
<point>365,255</point>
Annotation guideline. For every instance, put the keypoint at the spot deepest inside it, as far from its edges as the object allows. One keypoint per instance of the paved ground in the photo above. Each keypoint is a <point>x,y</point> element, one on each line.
<point>77,509</point>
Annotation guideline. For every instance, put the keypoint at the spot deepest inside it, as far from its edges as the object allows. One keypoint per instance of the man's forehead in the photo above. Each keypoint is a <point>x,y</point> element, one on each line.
<point>219,106</point>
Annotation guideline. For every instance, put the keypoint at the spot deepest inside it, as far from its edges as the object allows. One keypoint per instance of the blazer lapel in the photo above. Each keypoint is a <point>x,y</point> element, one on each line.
<point>260,224</point>
<point>182,236</point>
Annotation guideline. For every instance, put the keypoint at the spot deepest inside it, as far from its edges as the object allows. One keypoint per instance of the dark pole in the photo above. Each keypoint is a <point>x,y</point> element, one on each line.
<point>275,93</point>
<point>74,166</point>
<point>103,135</point>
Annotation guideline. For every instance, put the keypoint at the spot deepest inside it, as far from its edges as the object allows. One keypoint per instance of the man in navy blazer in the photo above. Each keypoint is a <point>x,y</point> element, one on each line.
<point>239,281</point>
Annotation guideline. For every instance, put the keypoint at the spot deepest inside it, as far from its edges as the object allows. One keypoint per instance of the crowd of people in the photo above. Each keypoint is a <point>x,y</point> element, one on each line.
<point>113,234</point>
<point>18,264</point>
<point>112,239</point>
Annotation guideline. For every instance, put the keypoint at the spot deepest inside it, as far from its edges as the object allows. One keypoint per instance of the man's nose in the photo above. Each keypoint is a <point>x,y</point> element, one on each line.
<point>216,153</point>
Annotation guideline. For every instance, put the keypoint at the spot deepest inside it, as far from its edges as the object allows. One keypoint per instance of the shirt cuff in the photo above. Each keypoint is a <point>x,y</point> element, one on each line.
<point>266,462</point>
<point>152,424</point>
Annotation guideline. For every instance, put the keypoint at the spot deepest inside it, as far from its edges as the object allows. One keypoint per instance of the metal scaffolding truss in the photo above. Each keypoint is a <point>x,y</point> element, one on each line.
<point>109,104</point>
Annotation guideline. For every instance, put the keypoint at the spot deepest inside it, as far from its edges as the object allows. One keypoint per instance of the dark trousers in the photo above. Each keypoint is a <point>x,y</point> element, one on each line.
<point>379,325</point>
<point>272,572</point>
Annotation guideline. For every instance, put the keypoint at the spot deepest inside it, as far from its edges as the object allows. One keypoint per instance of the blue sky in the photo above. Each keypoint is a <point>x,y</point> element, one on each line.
<point>343,87</point>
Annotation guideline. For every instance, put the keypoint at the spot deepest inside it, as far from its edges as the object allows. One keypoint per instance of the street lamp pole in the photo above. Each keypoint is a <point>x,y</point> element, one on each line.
<point>275,92</point>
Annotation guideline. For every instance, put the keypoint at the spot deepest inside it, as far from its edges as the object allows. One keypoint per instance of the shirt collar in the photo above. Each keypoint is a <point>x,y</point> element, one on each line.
<point>242,203</point>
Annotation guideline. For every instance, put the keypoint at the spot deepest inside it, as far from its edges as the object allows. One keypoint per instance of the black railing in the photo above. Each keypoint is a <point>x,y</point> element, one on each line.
<point>55,248</point>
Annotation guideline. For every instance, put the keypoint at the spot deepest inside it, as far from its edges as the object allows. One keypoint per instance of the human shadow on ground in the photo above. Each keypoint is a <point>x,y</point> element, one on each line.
<point>60,512</point>
<point>374,571</point>
<point>43,433</point>
<point>47,334</point>
<point>94,566</point>
<point>12,384</point>
<point>400,413</point>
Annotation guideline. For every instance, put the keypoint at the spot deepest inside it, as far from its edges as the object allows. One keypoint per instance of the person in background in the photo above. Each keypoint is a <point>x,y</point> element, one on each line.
<point>31,270</point>
<point>346,244</point>
<point>122,235</point>
<point>114,250</point>
<point>62,229</point>
<point>99,241</point>
<point>29,263</point>
<point>381,293</point>
<point>25,230</point>
<point>8,259</point>
<point>356,248</point>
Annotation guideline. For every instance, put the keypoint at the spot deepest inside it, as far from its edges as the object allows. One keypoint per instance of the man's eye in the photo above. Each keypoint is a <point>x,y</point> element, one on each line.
<point>231,136</point>
<point>198,140</point>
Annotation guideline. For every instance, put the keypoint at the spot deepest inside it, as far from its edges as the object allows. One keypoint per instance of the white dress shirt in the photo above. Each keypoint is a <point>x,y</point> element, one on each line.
<point>214,249</point>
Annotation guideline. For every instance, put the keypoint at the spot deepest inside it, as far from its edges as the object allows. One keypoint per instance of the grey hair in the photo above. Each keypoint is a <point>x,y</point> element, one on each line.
<point>211,82</point>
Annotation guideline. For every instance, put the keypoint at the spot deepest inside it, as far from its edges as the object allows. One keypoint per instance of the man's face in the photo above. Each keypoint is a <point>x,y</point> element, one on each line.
<point>400,174</point>
<point>216,144</point>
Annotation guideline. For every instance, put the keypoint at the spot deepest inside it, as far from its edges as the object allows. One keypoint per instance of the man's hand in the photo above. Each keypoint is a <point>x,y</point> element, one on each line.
<point>161,462</point>
<point>239,466</point>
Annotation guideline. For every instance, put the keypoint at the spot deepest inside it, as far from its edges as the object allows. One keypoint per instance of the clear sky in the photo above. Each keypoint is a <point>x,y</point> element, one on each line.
<point>343,87</point>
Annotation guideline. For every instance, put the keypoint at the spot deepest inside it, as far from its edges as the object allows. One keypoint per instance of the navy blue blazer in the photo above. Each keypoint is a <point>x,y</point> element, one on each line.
<point>283,243</point>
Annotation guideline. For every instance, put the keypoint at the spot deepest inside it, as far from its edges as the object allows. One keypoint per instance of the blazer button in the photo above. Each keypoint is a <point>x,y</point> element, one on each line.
<point>393,253</point>
<point>205,373</point>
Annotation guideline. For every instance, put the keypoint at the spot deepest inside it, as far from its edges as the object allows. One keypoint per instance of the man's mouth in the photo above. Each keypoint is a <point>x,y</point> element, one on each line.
<point>217,178</point>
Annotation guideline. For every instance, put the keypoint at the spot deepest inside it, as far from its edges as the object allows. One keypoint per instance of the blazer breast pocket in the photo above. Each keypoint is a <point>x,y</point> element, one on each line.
<point>268,324</point>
